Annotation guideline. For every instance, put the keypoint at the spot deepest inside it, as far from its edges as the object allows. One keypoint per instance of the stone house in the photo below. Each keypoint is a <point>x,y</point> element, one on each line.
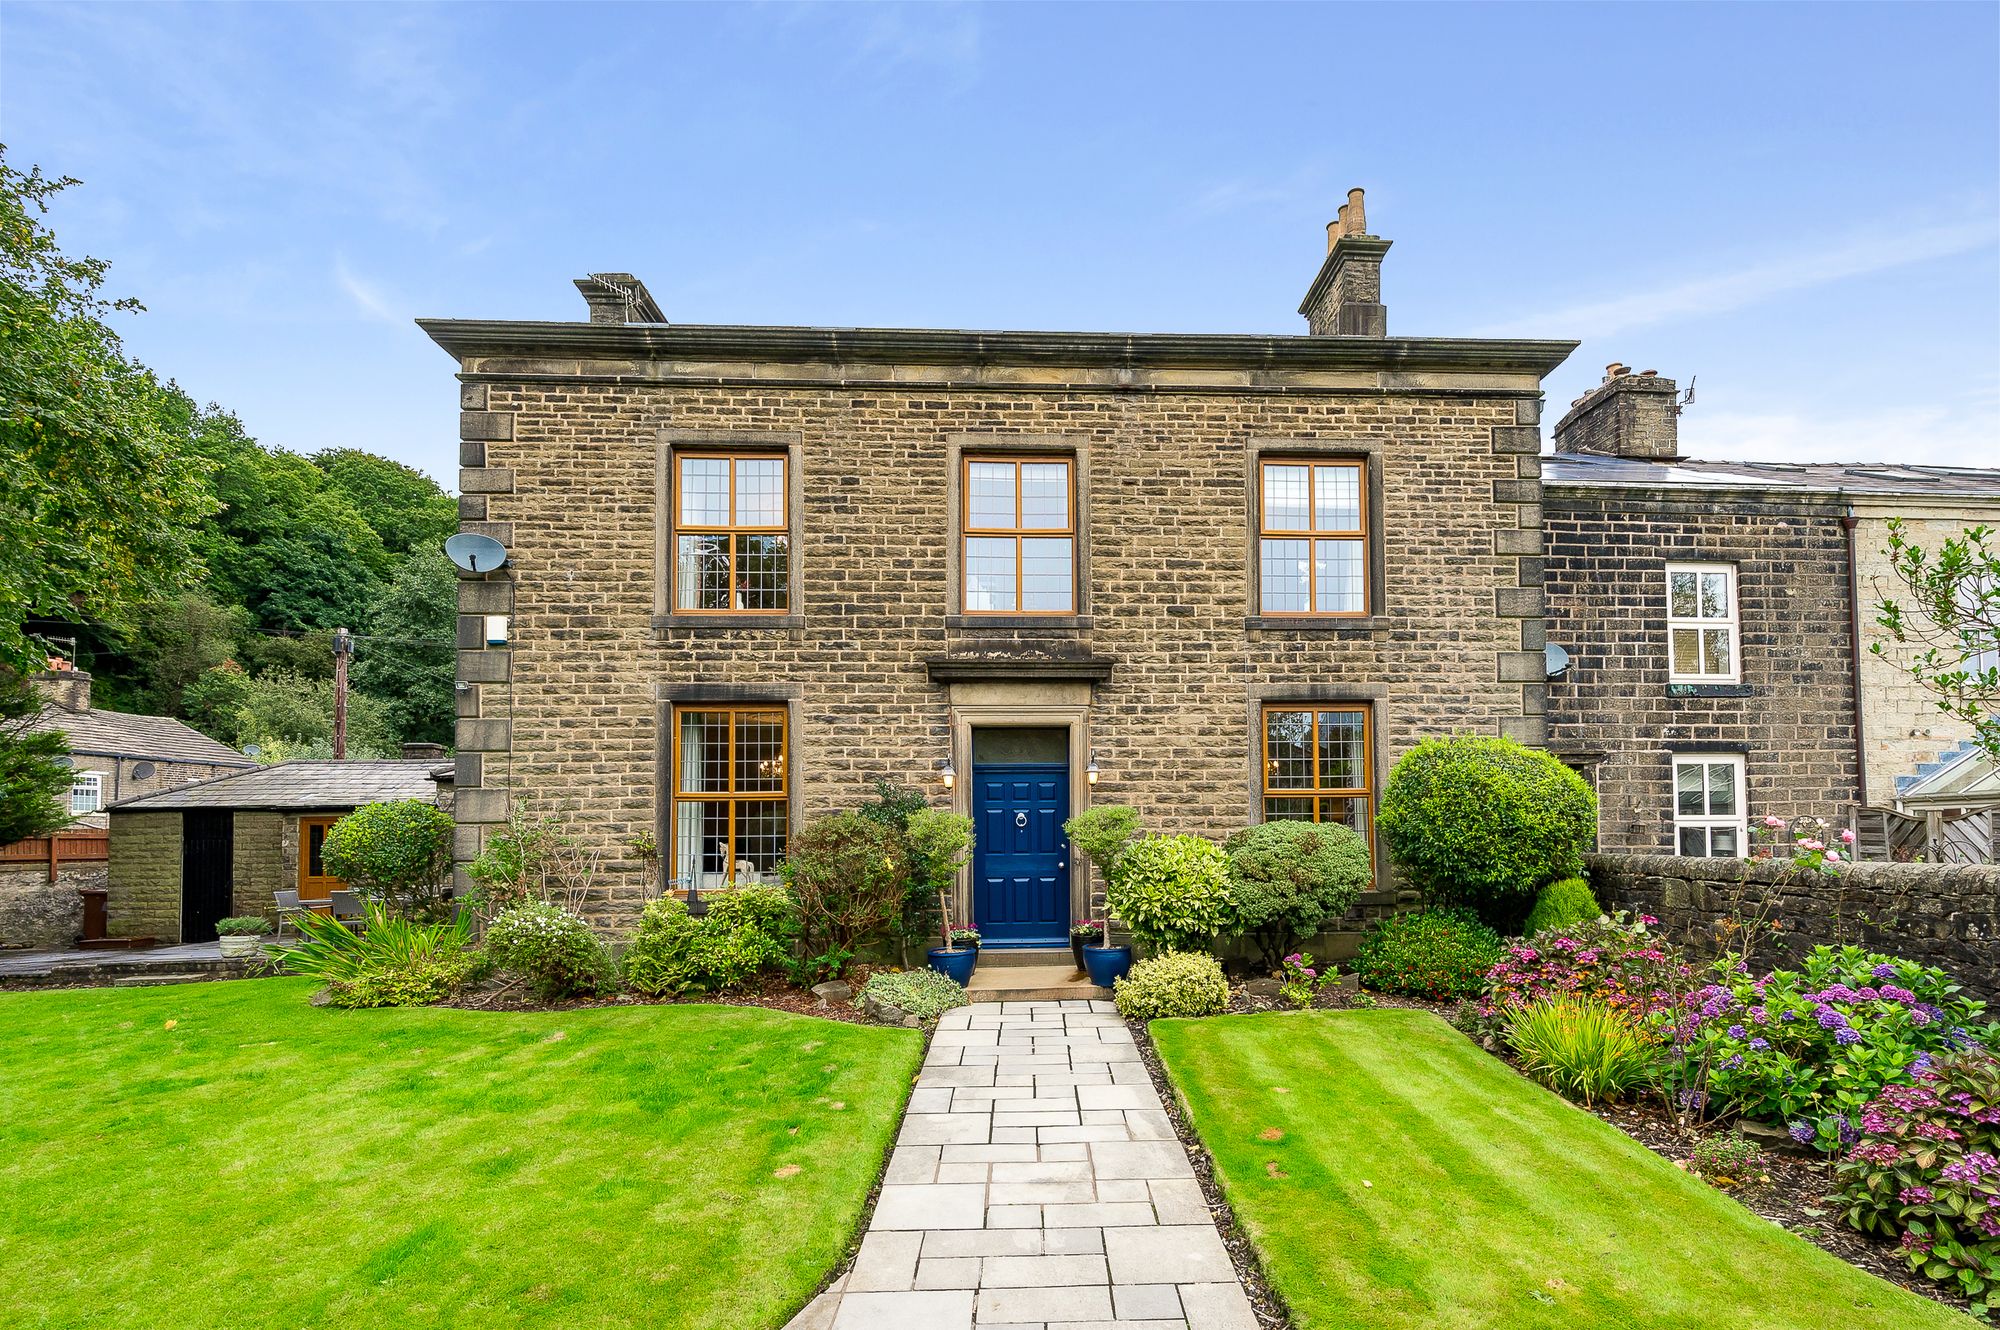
<point>752,569</point>
<point>118,755</point>
<point>181,859</point>
<point>1715,621</point>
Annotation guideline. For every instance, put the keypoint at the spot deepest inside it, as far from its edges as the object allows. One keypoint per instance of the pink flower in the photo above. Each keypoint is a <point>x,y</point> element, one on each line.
<point>1833,856</point>
<point>1774,822</point>
<point>1814,845</point>
<point>1847,837</point>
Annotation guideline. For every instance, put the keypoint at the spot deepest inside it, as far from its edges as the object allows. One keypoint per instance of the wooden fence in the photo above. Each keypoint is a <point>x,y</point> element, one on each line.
<point>87,845</point>
<point>1961,836</point>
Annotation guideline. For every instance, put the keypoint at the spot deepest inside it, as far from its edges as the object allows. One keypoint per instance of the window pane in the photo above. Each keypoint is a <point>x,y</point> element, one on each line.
<point>989,495</point>
<point>1337,498</point>
<point>1006,743</point>
<point>763,567</point>
<point>989,574</point>
<point>1046,579</point>
<point>704,755</point>
<point>1285,498</point>
<point>1722,843</point>
<point>701,572</point>
<point>1292,809</point>
<point>704,491</point>
<point>1722,789</point>
<point>760,841</point>
<point>1288,751</point>
<point>760,751</point>
<point>1680,595</point>
<point>1338,588</point>
<point>315,846</point>
<point>1348,812</point>
<point>1045,496</point>
<point>1282,576</point>
<point>1687,651</point>
<point>1715,595</point>
<point>760,491</point>
<point>1342,757</point>
<point>1694,842</point>
<point>701,844</point>
<point>1715,651</point>
<point>1688,788</point>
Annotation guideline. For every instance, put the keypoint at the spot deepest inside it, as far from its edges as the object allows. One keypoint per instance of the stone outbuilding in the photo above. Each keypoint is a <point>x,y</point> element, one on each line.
<point>182,859</point>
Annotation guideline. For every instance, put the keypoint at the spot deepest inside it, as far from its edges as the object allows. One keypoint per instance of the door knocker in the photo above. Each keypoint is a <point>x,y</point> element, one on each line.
<point>1020,820</point>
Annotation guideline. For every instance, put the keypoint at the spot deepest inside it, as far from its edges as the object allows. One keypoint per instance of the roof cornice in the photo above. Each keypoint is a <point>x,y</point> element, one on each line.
<point>468,338</point>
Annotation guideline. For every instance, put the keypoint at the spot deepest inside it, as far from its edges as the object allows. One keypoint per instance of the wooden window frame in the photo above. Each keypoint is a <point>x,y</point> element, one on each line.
<point>1739,821</point>
<point>1311,532</point>
<point>1732,622</point>
<point>676,528</point>
<point>1316,792</point>
<point>1017,533</point>
<point>676,796</point>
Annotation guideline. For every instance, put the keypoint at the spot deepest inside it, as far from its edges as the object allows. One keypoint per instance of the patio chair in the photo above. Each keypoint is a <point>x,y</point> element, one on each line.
<point>289,911</point>
<point>347,908</point>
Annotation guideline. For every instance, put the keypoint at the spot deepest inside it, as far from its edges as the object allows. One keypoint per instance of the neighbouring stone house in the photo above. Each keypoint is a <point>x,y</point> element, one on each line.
<point>751,569</point>
<point>184,858</point>
<point>1717,618</point>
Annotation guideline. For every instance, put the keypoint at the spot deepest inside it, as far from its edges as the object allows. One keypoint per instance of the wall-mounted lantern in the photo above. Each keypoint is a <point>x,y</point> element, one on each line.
<point>1090,772</point>
<point>946,775</point>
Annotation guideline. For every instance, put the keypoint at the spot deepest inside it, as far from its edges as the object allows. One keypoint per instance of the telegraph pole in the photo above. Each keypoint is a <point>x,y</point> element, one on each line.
<point>343,647</point>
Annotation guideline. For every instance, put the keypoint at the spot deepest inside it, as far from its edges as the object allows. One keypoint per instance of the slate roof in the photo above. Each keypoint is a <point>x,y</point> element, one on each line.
<point>303,785</point>
<point>1941,482</point>
<point>121,734</point>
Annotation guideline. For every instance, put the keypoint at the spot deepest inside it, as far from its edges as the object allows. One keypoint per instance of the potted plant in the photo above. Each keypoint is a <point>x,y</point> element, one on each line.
<point>941,844</point>
<point>953,961</point>
<point>965,937</point>
<point>1106,964</point>
<point>1084,932</point>
<point>240,934</point>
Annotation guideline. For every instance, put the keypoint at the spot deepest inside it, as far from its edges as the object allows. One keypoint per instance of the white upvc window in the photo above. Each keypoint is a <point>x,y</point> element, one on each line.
<point>86,793</point>
<point>1709,821</point>
<point>1701,624</point>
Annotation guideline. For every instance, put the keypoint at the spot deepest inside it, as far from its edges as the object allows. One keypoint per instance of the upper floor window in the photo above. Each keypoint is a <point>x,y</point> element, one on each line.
<point>731,542</point>
<point>1317,766</point>
<point>86,793</point>
<point>1020,535</point>
<point>731,794</point>
<point>1312,550</point>
<point>1708,806</point>
<point>1701,623</point>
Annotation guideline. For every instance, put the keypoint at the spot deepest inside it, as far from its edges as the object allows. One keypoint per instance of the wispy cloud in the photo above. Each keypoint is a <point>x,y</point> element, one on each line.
<point>367,296</point>
<point>1960,434</point>
<point>1227,196</point>
<point>1718,293</point>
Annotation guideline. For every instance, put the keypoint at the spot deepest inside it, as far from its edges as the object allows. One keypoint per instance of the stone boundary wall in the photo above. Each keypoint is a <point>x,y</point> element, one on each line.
<point>1946,915</point>
<point>38,914</point>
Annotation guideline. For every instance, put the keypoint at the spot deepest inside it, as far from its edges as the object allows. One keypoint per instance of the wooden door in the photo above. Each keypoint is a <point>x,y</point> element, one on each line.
<point>315,882</point>
<point>208,845</point>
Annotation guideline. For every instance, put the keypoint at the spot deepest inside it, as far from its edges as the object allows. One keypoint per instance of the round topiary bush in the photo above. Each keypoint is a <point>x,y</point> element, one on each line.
<point>1291,878</point>
<point>1433,954</point>
<point>1174,983</point>
<point>1172,892</point>
<point>1563,904</point>
<point>1485,822</point>
<point>399,853</point>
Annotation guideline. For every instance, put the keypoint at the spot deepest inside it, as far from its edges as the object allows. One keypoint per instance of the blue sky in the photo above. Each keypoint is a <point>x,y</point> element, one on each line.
<point>1798,204</point>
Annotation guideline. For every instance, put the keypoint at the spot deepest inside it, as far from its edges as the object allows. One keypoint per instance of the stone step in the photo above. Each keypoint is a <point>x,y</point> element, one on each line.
<point>151,980</point>
<point>1031,983</point>
<point>1043,956</point>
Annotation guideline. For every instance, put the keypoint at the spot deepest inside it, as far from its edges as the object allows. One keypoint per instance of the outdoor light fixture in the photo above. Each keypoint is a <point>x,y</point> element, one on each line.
<point>1090,772</point>
<point>946,775</point>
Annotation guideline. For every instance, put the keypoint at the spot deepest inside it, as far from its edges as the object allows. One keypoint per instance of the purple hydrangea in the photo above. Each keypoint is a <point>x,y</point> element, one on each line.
<point>1846,1035</point>
<point>1737,1032</point>
<point>1891,993</point>
<point>1916,1196</point>
<point>1884,971</point>
<point>1732,1062</point>
<point>1802,1132</point>
<point>1829,1019</point>
<point>1759,1045</point>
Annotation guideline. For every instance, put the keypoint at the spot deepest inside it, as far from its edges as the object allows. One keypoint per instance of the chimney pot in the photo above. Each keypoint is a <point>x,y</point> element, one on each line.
<point>1357,214</point>
<point>1614,370</point>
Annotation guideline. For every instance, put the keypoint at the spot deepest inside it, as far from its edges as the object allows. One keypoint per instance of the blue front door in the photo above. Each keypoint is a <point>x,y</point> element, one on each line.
<point>1020,857</point>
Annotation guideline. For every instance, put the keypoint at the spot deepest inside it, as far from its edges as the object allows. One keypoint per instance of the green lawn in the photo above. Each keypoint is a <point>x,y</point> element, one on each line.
<point>1494,1203</point>
<point>224,1155</point>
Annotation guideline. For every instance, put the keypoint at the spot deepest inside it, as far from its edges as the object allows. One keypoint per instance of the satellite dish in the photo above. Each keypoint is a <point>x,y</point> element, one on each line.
<point>253,750</point>
<point>142,771</point>
<point>1555,660</point>
<point>475,554</point>
<point>65,762</point>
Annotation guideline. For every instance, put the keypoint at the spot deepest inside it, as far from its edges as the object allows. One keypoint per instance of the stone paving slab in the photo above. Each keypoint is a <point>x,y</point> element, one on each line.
<point>1036,1184</point>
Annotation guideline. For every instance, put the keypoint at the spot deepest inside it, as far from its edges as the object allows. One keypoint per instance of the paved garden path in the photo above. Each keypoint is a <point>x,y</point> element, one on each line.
<point>1036,1184</point>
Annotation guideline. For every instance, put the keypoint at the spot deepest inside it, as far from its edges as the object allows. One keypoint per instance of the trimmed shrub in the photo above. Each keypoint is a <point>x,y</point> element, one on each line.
<point>1171,892</point>
<point>1582,1049</point>
<point>939,843</point>
<point>1290,878</point>
<point>1174,983</point>
<point>1927,1169</point>
<point>399,853</point>
<point>553,950</point>
<point>418,984</point>
<point>1561,904</point>
<point>745,933</point>
<point>1432,954</point>
<point>1485,822</point>
<point>1102,834</point>
<point>925,994</point>
<point>848,873</point>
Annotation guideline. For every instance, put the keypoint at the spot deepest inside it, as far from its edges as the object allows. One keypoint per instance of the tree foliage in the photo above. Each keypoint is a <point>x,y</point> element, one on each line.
<point>1948,608</point>
<point>397,852</point>
<point>33,777</point>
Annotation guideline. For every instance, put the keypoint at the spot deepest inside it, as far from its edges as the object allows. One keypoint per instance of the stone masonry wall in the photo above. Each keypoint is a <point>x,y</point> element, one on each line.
<point>257,866</point>
<point>1791,717</point>
<point>564,471</point>
<point>145,876</point>
<point>38,913</point>
<point>1939,914</point>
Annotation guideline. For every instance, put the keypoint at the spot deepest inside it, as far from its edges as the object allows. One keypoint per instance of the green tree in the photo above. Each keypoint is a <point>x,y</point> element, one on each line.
<point>33,777</point>
<point>1948,608</point>
<point>178,641</point>
<point>397,852</point>
<point>98,499</point>
<point>408,658</point>
<point>290,717</point>
<point>404,507</point>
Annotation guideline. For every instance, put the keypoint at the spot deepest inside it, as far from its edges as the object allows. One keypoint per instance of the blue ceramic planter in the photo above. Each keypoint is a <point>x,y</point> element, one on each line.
<point>956,964</point>
<point>1107,964</point>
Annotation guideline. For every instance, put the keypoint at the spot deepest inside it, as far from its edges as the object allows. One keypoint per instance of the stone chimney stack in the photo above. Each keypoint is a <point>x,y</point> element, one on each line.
<point>1628,415</point>
<point>63,685</point>
<point>618,297</point>
<point>1346,297</point>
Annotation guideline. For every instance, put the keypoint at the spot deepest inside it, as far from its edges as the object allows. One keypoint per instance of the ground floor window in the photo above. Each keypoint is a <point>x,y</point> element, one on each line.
<point>1708,806</point>
<point>730,792</point>
<point>1317,766</point>
<point>86,793</point>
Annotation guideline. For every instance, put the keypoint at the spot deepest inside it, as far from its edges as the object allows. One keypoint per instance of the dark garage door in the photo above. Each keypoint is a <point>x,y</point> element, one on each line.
<point>208,844</point>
